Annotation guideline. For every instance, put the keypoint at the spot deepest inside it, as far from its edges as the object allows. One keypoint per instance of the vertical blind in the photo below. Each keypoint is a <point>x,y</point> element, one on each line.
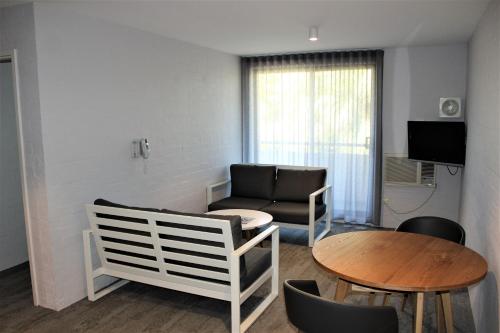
<point>319,109</point>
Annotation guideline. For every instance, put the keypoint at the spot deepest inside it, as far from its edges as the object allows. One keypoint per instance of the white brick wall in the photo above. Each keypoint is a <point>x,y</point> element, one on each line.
<point>480,208</point>
<point>103,85</point>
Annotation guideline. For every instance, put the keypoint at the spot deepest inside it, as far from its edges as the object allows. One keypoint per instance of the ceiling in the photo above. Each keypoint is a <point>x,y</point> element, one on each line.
<point>262,27</point>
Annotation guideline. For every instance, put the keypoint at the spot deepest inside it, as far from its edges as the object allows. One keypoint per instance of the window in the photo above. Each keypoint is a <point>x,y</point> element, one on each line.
<point>318,113</point>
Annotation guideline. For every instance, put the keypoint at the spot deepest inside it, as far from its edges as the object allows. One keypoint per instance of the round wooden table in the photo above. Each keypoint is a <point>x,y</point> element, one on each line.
<point>400,261</point>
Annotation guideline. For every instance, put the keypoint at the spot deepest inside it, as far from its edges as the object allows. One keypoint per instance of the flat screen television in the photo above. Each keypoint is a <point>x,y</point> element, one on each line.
<point>440,142</point>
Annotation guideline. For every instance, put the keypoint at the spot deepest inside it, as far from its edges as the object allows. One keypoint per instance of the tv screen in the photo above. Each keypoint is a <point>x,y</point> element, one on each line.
<point>437,141</point>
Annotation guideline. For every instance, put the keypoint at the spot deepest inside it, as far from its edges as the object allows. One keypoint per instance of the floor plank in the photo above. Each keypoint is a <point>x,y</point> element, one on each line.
<point>141,308</point>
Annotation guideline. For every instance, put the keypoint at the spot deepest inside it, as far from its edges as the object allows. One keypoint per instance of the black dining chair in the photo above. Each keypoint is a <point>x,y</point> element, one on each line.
<point>434,226</point>
<point>312,314</point>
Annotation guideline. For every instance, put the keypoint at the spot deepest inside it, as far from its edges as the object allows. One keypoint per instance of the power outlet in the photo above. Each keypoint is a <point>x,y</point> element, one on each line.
<point>386,200</point>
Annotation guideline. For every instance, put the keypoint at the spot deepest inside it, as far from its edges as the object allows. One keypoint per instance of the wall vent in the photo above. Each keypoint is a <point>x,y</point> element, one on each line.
<point>399,170</point>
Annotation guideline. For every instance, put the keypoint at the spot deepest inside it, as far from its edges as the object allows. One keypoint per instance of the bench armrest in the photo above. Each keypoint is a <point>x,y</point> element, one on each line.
<point>210,189</point>
<point>274,230</point>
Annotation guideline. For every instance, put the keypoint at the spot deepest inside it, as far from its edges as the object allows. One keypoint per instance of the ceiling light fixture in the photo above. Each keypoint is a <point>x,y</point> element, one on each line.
<point>313,34</point>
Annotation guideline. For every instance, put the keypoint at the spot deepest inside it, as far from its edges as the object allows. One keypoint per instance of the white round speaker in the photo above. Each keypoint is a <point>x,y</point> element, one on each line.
<point>450,107</point>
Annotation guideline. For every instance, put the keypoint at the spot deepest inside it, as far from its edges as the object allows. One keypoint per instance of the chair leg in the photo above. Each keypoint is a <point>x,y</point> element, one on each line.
<point>386,299</point>
<point>311,234</point>
<point>403,303</point>
<point>235,295</point>
<point>235,316</point>
<point>371,299</point>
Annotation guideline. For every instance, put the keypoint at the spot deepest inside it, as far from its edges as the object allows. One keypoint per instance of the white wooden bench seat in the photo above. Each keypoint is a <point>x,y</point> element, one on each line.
<point>193,254</point>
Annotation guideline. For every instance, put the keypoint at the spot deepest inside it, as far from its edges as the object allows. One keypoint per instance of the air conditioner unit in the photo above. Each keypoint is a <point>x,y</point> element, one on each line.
<point>399,170</point>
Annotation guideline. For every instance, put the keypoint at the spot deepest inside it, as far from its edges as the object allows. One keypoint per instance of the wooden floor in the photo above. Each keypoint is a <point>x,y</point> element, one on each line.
<point>142,308</point>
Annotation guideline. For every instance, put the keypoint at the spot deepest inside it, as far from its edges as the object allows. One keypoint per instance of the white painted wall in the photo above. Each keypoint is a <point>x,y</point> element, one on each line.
<point>17,31</point>
<point>480,207</point>
<point>103,85</point>
<point>414,80</point>
<point>13,247</point>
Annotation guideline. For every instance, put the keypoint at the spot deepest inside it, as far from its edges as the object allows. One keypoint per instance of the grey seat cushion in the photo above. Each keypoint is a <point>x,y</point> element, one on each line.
<point>252,181</point>
<point>257,261</point>
<point>296,185</point>
<point>239,203</point>
<point>293,212</point>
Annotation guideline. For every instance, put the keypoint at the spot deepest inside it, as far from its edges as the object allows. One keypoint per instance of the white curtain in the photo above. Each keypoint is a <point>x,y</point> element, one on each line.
<point>318,110</point>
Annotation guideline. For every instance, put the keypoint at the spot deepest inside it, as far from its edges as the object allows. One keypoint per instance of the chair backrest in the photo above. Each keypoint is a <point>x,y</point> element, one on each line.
<point>434,226</point>
<point>313,314</point>
<point>277,182</point>
<point>169,247</point>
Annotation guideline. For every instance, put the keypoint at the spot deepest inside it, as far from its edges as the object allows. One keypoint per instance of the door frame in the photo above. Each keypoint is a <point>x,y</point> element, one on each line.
<point>12,55</point>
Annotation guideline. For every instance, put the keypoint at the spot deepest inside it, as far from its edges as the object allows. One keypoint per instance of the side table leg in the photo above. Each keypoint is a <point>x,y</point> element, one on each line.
<point>248,235</point>
<point>419,313</point>
<point>343,288</point>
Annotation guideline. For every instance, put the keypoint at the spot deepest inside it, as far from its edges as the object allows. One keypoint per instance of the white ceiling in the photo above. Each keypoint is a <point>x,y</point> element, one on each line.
<point>260,27</point>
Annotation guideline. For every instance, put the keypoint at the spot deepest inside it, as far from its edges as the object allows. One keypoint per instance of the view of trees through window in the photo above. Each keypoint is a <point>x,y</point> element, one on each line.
<point>307,113</point>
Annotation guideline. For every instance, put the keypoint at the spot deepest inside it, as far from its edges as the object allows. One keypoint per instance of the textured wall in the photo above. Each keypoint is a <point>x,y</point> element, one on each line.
<point>103,85</point>
<point>12,231</point>
<point>414,80</point>
<point>17,31</point>
<point>480,208</point>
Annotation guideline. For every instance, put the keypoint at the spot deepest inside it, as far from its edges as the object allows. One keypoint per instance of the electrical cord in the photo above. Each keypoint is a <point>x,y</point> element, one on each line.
<point>415,209</point>
<point>452,173</point>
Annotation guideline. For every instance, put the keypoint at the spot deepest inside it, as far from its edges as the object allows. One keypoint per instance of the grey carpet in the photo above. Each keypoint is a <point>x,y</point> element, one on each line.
<point>141,308</point>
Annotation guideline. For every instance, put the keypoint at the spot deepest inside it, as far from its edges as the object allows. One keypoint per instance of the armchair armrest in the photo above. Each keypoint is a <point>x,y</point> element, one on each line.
<point>318,192</point>
<point>312,201</point>
<point>210,189</point>
<point>274,230</point>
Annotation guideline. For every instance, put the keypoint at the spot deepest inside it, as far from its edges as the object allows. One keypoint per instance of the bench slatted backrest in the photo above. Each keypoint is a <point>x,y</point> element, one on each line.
<point>169,247</point>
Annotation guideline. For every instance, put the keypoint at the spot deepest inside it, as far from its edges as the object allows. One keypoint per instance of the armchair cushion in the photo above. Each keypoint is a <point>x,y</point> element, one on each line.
<point>293,212</point>
<point>252,181</point>
<point>296,185</point>
<point>257,261</point>
<point>239,203</point>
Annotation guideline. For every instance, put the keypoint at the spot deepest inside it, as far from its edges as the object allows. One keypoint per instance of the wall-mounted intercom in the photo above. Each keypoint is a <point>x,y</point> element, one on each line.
<point>141,148</point>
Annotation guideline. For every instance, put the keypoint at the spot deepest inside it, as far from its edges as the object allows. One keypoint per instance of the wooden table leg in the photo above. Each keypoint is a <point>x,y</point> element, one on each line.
<point>342,290</point>
<point>439,314</point>
<point>419,313</point>
<point>448,315</point>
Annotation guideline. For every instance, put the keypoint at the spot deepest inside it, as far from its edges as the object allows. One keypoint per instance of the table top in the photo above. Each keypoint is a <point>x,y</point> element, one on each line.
<point>256,218</point>
<point>400,261</point>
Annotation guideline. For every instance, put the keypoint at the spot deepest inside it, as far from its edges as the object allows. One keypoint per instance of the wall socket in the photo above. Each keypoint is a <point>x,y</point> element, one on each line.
<point>386,200</point>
